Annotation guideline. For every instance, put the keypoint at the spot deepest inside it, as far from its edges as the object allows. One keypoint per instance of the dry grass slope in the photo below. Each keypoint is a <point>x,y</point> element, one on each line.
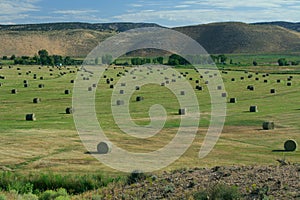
<point>236,37</point>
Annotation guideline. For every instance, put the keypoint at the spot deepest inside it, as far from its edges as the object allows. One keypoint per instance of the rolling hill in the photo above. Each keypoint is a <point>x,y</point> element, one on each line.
<point>287,25</point>
<point>234,37</point>
<point>78,39</point>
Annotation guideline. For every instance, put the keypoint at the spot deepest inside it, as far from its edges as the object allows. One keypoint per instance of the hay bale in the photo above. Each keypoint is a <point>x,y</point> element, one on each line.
<point>30,117</point>
<point>25,81</point>
<point>94,85</point>
<point>253,109</point>
<point>224,94</point>
<point>162,84</point>
<point>111,86</point>
<point>206,82</point>
<point>289,84</point>
<point>123,84</point>
<point>122,91</point>
<point>257,79</point>
<point>182,111</point>
<point>1,84</point>
<point>219,87</point>
<point>268,125</point>
<point>90,89</point>
<point>137,87</point>
<point>190,79</point>
<point>36,100</point>
<point>250,87</point>
<point>69,110</point>
<point>242,78</point>
<point>26,85</point>
<point>41,78</point>
<point>290,145</point>
<point>14,91</point>
<point>120,102</point>
<point>139,98</point>
<point>197,81</point>
<point>41,85</point>
<point>198,87</point>
<point>182,92</point>
<point>233,79</point>
<point>278,81</point>
<point>72,81</point>
<point>250,76</point>
<point>272,91</point>
<point>67,91</point>
<point>265,81</point>
<point>232,100</point>
<point>104,147</point>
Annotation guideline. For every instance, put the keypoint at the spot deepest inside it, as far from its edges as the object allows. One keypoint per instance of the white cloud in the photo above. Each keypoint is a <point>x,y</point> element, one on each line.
<point>74,12</point>
<point>13,7</point>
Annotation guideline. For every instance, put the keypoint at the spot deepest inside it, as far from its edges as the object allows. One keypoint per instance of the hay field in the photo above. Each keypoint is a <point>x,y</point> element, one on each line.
<point>51,143</point>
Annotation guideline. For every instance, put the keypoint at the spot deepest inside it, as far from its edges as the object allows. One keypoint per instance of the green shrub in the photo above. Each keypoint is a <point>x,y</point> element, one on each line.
<point>135,177</point>
<point>218,192</point>
<point>60,194</point>
<point>29,196</point>
<point>2,197</point>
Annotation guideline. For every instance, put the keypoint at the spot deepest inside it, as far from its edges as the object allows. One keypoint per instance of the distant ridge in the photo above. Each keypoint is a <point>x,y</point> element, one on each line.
<point>78,39</point>
<point>119,27</point>
<point>288,25</point>
<point>237,37</point>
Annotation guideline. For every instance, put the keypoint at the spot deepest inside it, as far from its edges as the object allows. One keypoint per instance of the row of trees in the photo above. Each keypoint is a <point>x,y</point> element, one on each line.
<point>43,58</point>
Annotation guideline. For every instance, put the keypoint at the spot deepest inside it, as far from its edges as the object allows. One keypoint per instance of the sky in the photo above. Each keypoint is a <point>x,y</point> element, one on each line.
<point>166,13</point>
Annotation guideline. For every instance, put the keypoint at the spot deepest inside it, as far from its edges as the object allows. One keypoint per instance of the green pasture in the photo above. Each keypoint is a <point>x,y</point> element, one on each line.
<point>51,143</point>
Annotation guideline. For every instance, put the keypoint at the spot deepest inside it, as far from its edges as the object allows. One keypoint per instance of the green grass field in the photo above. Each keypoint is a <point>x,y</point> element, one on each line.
<point>51,143</point>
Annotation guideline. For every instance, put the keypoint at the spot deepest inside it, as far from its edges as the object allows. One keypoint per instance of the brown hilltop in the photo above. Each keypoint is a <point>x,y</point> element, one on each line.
<point>78,39</point>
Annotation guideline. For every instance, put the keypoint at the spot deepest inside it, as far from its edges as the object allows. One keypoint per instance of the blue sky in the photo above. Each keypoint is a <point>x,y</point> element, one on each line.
<point>167,13</point>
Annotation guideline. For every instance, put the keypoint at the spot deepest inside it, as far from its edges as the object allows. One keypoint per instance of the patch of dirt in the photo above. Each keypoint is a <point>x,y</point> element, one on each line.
<point>253,182</point>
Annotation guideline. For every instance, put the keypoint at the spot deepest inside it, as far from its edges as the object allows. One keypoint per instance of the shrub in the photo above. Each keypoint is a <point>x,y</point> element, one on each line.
<point>135,177</point>
<point>2,197</point>
<point>60,194</point>
<point>218,192</point>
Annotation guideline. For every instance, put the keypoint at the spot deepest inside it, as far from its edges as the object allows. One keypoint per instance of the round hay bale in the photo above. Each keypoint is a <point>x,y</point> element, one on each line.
<point>257,79</point>
<point>190,79</point>
<point>289,84</point>
<point>14,91</point>
<point>232,100</point>
<point>224,94</point>
<point>198,87</point>
<point>162,84</point>
<point>41,78</point>
<point>182,111</point>
<point>123,84</point>
<point>19,73</point>
<point>94,85</point>
<point>268,125</point>
<point>272,91</point>
<point>233,79</point>
<point>242,78</point>
<point>1,84</point>
<point>90,88</point>
<point>26,85</point>
<point>122,91</point>
<point>69,110</point>
<point>253,109</point>
<point>206,82</point>
<point>137,87</point>
<point>41,85</point>
<point>72,81</point>
<point>197,81</point>
<point>250,87</point>
<point>265,81</point>
<point>219,87</point>
<point>25,81</point>
<point>67,91</point>
<point>120,102</point>
<point>278,81</point>
<point>36,100</point>
<point>111,86</point>
<point>290,145</point>
<point>104,147</point>
<point>139,98</point>
<point>30,117</point>
<point>182,92</point>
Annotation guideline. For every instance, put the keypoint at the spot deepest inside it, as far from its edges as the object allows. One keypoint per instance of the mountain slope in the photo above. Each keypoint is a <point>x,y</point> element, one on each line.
<point>233,37</point>
<point>288,25</point>
<point>78,39</point>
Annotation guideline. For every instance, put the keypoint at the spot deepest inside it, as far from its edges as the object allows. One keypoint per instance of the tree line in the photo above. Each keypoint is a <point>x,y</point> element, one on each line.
<point>43,58</point>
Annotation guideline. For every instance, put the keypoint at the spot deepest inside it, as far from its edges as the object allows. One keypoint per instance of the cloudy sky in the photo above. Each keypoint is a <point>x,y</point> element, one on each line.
<point>167,13</point>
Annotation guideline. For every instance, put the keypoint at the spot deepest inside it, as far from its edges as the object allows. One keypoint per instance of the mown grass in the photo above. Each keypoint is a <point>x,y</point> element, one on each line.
<point>52,147</point>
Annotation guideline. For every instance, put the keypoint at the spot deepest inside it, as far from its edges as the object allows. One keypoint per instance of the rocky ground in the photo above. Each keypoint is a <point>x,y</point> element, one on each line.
<point>244,182</point>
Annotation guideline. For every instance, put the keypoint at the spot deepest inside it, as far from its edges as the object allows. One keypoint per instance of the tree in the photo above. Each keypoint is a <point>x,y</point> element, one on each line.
<point>282,62</point>
<point>255,63</point>
<point>4,58</point>
<point>43,57</point>
<point>222,58</point>
<point>107,59</point>
<point>13,57</point>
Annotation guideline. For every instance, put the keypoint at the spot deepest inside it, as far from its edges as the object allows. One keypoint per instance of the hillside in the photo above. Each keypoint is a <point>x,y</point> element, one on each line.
<point>77,42</point>
<point>235,37</point>
<point>288,25</point>
<point>78,39</point>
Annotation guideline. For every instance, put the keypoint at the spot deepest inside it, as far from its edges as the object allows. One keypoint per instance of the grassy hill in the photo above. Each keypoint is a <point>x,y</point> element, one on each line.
<point>235,37</point>
<point>287,25</point>
<point>78,39</point>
